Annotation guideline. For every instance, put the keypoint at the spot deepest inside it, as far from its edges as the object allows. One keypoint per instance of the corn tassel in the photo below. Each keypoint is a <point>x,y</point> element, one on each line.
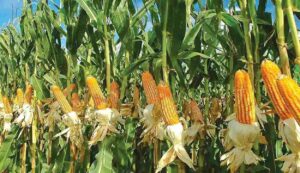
<point>150,88</point>
<point>7,106</point>
<point>270,73</point>
<point>114,95</point>
<point>28,94</point>
<point>168,106</point>
<point>61,98</point>
<point>96,93</point>
<point>244,98</point>
<point>20,97</point>
<point>290,92</point>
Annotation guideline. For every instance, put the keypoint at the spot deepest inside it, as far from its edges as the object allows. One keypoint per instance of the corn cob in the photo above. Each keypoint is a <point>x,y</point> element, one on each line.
<point>196,114</point>
<point>136,101</point>
<point>114,95</point>
<point>215,109</point>
<point>96,93</point>
<point>270,72</point>
<point>244,98</point>
<point>168,106</point>
<point>290,92</point>
<point>20,97</point>
<point>136,96</point>
<point>61,98</point>
<point>186,108</point>
<point>28,94</point>
<point>7,106</point>
<point>76,103</point>
<point>150,88</point>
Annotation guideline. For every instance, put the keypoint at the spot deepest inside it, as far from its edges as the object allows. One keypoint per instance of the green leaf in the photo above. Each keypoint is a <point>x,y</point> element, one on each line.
<point>39,87</point>
<point>103,162</point>
<point>7,148</point>
<point>88,7</point>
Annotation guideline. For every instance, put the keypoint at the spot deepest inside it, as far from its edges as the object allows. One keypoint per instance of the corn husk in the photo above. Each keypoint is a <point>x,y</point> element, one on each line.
<point>106,120</point>
<point>74,128</point>
<point>290,133</point>
<point>153,127</point>
<point>175,134</point>
<point>25,116</point>
<point>241,137</point>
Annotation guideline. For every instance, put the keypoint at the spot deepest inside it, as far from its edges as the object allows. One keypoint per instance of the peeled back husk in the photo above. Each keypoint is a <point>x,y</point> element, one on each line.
<point>241,137</point>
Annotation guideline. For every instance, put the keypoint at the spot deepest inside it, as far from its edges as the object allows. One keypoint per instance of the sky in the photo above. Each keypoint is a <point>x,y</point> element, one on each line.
<point>11,9</point>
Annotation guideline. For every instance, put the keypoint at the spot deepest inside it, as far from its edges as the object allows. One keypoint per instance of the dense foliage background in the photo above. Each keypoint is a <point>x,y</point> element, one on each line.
<point>194,45</point>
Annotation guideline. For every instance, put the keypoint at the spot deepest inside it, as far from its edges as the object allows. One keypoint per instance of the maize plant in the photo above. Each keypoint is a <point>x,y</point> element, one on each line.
<point>173,86</point>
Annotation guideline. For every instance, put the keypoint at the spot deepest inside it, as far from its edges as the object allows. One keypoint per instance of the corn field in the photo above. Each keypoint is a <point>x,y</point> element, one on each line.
<point>144,86</point>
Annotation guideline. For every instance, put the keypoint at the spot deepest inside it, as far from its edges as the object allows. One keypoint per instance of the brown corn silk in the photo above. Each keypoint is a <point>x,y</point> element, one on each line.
<point>290,92</point>
<point>150,88</point>
<point>20,97</point>
<point>114,95</point>
<point>76,102</point>
<point>69,89</point>
<point>244,98</point>
<point>96,93</point>
<point>215,108</point>
<point>61,98</point>
<point>7,106</point>
<point>270,73</point>
<point>168,106</point>
<point>196,114</point>
<point>28,94</point>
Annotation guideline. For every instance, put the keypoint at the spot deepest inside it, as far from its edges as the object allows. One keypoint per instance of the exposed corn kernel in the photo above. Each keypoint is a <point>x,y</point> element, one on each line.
<point>28,94</point>
<point>290,92</point>
<point>61,98</point>
<point>244,98</point>
<point>150,88</point>
<point>270,73</point>
<point>7,106</point>
<point>20,97</point>
<point>168,106</point>
<point>96,93</point>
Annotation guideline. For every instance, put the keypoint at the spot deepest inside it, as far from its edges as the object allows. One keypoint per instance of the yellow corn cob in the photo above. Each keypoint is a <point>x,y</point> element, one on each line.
<point>244,98</point>
<point>196,114</point>
<point>76,103</point>
<point>168,106</point>
<point>69,89</point>
<point>270,73</point>
<point>28,94</point>
<point>290,92</point>
<point>61,98</point>
<point>114,95</point>
<point>20,97</point>
<point>96,93</point>
<point>150,88</point>
<point>7,106</point>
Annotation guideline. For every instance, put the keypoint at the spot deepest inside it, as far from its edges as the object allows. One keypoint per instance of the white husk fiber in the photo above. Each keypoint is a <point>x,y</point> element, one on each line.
<point>290,132</point>
<point>175,133</point>
<point>242,137</point>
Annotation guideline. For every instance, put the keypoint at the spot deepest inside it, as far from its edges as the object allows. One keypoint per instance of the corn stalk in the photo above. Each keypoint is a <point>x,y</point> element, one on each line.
<point>282,46</point>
